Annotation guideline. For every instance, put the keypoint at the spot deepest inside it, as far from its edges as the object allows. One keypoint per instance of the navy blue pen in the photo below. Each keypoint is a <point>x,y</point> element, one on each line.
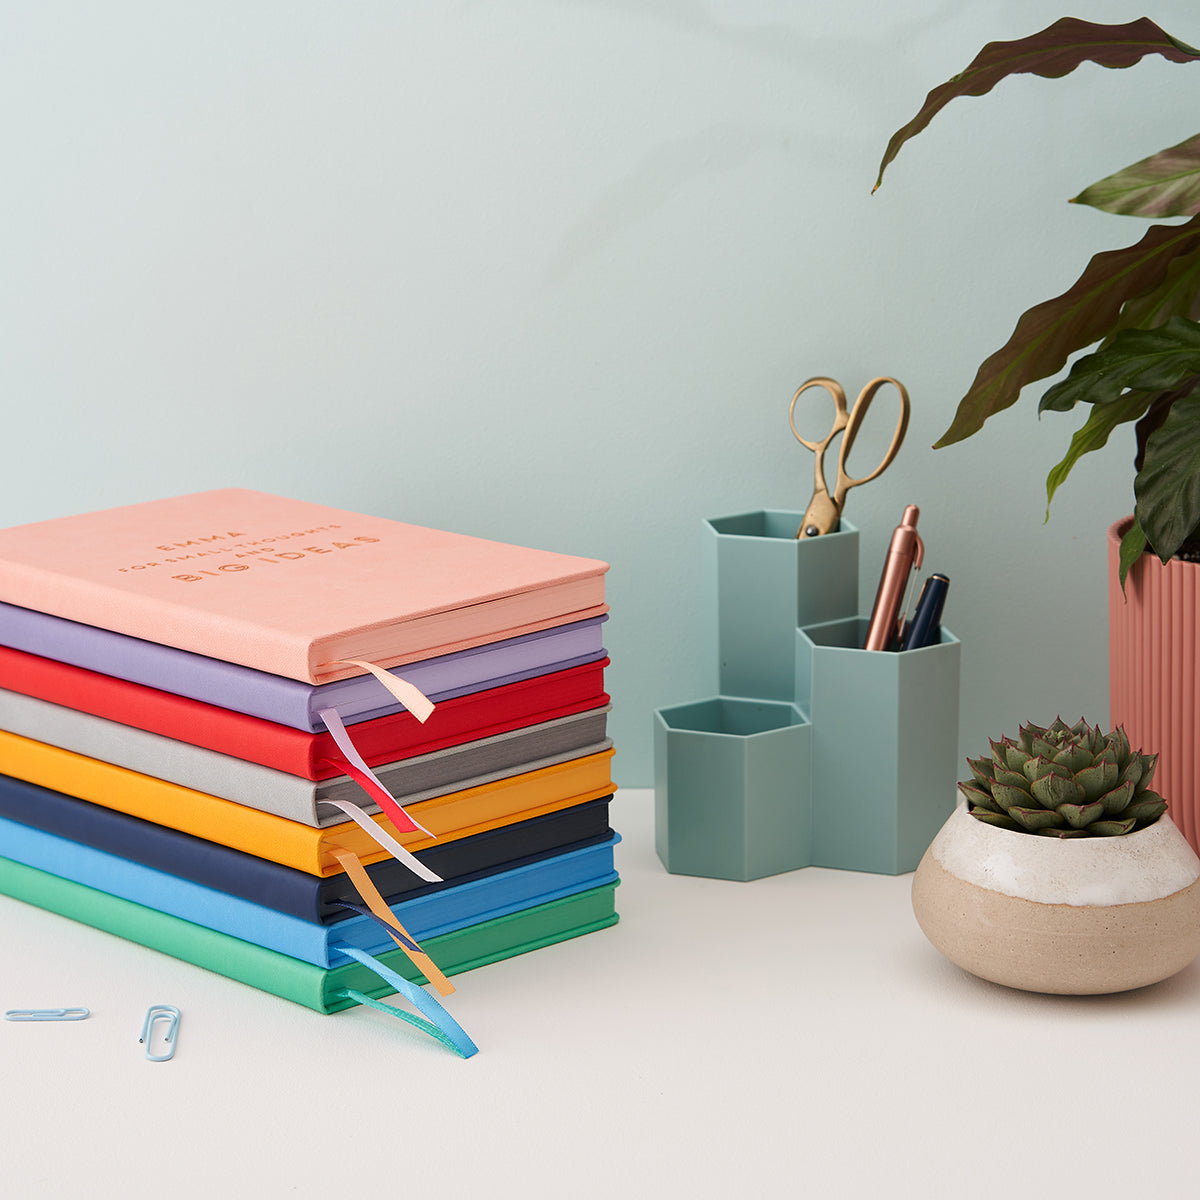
<point>925,628</point>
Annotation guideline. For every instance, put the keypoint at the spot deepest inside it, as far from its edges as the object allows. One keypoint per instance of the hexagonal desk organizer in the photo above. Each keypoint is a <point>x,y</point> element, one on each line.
<point>726,804</point>
<point>814,752</point>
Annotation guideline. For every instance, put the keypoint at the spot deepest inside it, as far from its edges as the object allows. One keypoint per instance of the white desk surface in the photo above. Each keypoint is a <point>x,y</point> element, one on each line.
<point>796,1035</point>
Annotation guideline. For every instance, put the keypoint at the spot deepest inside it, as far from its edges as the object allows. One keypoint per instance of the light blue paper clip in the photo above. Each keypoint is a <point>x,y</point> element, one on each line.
<point>47,1014</point>
<point>156,1013</point>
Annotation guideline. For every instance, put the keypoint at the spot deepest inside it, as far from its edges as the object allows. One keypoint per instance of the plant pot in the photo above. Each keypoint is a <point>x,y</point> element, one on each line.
<point>731,788</point>
<point>1153,684</point>
<point>1078,916</point>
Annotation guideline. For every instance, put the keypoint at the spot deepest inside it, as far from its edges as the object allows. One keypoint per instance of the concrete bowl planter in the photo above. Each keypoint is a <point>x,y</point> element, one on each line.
<point>1076,916</point>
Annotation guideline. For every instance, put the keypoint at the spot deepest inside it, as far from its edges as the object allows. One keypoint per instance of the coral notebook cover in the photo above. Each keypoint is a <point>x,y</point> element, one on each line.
<point>289,587</point>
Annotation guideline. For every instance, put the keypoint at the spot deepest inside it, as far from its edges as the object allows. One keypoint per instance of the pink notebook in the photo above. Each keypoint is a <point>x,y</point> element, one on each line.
<point>290,587</point>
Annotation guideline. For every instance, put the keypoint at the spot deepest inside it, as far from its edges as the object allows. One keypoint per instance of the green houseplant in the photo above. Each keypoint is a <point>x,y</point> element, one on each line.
<point>1138,308</point>
<point>1110,900</point>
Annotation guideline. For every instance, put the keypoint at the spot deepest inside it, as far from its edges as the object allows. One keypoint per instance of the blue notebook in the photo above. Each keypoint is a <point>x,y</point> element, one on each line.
<point>424,917</point>
<point>309,897</point>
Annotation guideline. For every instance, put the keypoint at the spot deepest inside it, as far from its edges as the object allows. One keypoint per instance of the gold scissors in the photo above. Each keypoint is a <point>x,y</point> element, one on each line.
<point>825,508</point>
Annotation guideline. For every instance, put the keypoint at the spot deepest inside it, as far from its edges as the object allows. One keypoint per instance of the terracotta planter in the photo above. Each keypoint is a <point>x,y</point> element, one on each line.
<point>1153,684</point>
<point>1076,916</point>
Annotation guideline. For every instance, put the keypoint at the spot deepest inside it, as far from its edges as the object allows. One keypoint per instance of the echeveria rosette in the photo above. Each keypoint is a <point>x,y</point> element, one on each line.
<point>1064,781</point>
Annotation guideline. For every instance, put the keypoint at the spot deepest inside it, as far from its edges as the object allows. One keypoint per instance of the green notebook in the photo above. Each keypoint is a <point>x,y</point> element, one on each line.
<point>315,987</point>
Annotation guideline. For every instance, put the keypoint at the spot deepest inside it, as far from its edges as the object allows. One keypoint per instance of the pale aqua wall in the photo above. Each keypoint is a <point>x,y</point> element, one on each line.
<point>550,272</point>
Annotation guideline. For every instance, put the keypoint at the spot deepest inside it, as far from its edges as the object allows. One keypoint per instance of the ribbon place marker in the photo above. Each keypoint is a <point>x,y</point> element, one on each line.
<point>379,907</point>
<point>407,693</point>
<point>384,839</point>
<point>362,774</point>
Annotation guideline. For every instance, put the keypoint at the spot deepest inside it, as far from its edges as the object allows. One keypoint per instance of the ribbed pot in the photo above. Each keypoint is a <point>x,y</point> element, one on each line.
<point>1078,916</point>
<point>1153,683</point>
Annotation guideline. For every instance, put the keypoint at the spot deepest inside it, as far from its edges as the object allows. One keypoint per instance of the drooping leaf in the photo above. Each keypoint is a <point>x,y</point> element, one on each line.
<point>1052,53</point>
<point>1133,546</point>
<point>1093,435</point>
<point>1050,332</point>
<point>1037,818</point>
<point>1111,828</point>
<point>1167,487</point>
<point>1166,184</point>
<point>1150,360</point>
<point>1177,295</point>
<point>978,796</point>
<point>1147,808</point>
<point>998,819</point>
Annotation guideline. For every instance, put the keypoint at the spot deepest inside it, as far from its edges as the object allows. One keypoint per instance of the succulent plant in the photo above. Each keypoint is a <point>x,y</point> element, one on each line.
<point>1064,781</point>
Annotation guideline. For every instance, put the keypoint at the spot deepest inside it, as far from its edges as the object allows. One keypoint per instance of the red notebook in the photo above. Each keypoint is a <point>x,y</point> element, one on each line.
<point>383,740</point>
<point>289,587</point>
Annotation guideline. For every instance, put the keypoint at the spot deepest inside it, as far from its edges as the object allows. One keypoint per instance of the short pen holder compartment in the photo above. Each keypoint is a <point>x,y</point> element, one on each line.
<point>731,789</point>
<point>884,745</point>
<point>765,583</point>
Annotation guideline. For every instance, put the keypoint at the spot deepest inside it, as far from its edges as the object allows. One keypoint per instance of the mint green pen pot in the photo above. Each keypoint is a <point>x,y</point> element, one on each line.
<point>765,583</point>
<point>884,745</point>
<point>731,788</point>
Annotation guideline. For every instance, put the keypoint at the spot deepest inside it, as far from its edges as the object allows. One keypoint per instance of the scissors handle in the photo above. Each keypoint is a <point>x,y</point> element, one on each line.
<point>854,424</point>
<point>825,509</point>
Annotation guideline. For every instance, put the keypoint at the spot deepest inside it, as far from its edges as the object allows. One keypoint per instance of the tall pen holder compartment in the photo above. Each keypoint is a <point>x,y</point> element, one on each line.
<point>884,745</point>
<point>765,583</point>
<point>732,772</point>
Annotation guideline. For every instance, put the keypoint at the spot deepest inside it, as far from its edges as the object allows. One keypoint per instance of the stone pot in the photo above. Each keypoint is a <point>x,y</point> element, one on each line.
<point>1077,916</point>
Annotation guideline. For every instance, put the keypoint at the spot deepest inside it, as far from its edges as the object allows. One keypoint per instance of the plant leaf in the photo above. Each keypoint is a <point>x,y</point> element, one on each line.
<point>1133,546</point>
<point>1093,435</point>
<point>1166,184</point>
<point>1152,360</point>
<point>1167,487</point>
<point>1035,819</point>
<point>1177,295</point>
<point>1052,53</point>
<point>1050,332</point>
<point>1111,828</point>
<point>997,819</point>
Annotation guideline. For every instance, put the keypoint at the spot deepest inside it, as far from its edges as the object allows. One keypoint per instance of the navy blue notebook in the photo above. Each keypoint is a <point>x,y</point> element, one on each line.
<point>284,889</point>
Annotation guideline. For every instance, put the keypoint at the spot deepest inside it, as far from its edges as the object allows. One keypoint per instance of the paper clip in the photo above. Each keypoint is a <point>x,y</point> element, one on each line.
<point>156,1013</point>
<point>47,1014</point>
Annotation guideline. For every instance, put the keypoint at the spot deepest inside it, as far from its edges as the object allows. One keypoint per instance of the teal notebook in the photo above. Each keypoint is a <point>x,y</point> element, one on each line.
<point>315,987</point>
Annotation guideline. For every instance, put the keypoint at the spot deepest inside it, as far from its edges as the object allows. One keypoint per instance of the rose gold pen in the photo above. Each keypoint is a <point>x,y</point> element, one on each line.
<point>905,554</point>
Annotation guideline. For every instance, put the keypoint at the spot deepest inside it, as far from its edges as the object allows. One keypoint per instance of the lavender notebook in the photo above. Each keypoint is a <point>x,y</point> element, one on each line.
<point>288,701</point>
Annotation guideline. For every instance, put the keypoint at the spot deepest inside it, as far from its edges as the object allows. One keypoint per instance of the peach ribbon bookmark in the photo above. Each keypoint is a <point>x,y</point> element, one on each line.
<point>376,903</point>
<point>407,693</point>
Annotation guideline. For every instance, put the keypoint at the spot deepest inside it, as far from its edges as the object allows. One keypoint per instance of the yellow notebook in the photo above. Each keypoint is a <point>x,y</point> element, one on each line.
<point>450,817</point>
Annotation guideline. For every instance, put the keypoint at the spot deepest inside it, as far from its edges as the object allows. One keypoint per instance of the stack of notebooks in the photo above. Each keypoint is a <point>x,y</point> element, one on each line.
<point>229,720</point>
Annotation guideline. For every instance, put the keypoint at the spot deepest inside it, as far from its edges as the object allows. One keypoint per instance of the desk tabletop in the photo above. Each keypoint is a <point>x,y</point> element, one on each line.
<point>795,1034</point>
